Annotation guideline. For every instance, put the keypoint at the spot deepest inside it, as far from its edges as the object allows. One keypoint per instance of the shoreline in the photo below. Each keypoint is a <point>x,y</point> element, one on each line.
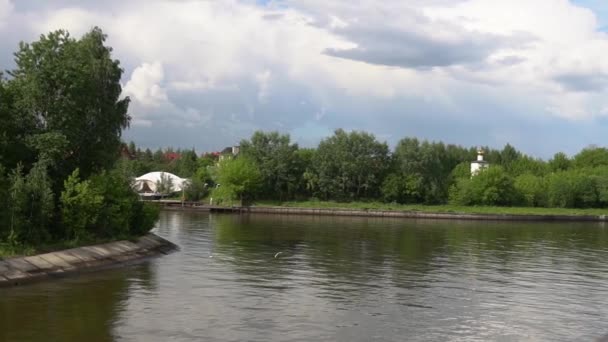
<point>21,270</point>
<point>410,214</point>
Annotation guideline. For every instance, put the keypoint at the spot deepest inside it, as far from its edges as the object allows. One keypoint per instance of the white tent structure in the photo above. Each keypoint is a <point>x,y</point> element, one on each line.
<point>148,184</point>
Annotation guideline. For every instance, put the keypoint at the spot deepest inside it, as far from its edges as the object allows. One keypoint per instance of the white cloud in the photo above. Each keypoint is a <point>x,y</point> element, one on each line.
<point>145,85</point>
<point>6,8</point>
<point>230,61</point>
<point>263,81</point>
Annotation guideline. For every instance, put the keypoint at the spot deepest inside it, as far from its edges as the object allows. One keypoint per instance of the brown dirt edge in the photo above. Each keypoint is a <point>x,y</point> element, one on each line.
<point>23,270</point>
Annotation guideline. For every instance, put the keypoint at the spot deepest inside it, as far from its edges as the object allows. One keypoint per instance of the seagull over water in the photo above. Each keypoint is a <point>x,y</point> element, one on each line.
<point>277,255</point>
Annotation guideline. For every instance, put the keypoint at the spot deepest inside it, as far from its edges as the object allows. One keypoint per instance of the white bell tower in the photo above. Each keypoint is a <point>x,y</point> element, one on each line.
<point>479,163</point>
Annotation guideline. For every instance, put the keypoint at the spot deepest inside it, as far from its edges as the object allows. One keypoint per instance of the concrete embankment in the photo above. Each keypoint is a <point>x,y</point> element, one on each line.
<point>421,215</point>
<point>177,205</point>
<point>21,270</point>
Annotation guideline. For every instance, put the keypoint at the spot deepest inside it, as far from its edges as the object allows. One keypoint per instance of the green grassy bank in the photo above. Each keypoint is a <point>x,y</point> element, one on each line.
<point>436,208</point>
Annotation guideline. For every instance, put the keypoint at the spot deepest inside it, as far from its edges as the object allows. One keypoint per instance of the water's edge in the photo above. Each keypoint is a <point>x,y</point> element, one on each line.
<point>177,205</point>
<point>22,270</point>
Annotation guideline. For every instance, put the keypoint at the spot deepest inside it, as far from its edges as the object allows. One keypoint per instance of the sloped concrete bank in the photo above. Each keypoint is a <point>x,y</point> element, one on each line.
<point>21,270</point>
<point>420,215</point>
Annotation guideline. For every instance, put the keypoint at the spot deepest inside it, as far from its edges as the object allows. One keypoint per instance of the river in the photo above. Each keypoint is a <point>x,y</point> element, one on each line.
<point>305,278</point>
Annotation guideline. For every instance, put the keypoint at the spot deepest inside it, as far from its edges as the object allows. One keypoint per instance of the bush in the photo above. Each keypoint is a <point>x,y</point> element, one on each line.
<point>80,208</point>
<point>31,205</point>
<point>491,186</point>
<point>402,189</point>
<point>532,190</point>
<point>121,214</point>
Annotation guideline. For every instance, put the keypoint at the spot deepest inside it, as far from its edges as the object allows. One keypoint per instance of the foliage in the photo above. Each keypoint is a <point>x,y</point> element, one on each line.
<point>122,214</point>
<point>559,162</point>
<point>80,207</point>
<point>591,157</point>
<point>491,186</point>
<point>349,166</point>
<point>532,190</point>
<point>72,87</point>
<point>61,118</point>
<point>277,159</point>
<point>238,179</point>
<point>164,185</point>
<point>30,206</point>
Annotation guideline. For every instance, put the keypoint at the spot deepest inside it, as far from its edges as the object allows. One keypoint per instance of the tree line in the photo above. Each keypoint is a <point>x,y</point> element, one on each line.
<point>356,166</point>
<point>61,119</point>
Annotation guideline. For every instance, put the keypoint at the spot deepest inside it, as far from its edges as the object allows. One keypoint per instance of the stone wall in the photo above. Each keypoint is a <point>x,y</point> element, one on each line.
<point>16,271</point>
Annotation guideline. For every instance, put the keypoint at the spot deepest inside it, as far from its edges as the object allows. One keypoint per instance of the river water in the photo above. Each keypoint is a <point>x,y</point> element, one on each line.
<point>334,279</point>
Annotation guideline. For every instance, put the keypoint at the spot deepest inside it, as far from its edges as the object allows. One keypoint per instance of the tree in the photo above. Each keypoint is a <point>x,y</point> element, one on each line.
<point>591,157</point>
<point>559,162</point>
<point>72,87</point>
<point>350,165</point>
<point>425,169</point>
<point>491,186</point>
<point>276,158</point>
<point>532,190</point>
<point>238,179</point>
<point>187,164</point>
<point>31,205</point>
<point>164,185</point>
<point>508,156</point>
<point>80,207</point>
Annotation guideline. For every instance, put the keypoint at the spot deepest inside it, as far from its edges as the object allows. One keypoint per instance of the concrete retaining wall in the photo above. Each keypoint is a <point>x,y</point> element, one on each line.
<point>421,215</point>
<point>22,270</point>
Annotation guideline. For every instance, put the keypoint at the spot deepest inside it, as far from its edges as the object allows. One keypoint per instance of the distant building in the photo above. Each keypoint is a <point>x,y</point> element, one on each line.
<point>171,156</point>
<point>150,184</point>
<point>230,152</point>
<point>478,164</point>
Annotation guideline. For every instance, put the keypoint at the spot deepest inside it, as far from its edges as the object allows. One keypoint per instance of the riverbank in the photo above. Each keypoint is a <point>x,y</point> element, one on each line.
<point>403,211</point>
<point>21,270</point>
<point>436,209</point>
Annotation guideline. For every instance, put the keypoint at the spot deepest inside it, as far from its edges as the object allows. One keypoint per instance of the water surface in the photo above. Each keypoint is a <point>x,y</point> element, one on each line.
<point>335,279</point>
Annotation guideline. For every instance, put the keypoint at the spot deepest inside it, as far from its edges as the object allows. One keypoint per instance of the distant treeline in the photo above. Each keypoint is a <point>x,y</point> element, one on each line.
<point>355,166</point>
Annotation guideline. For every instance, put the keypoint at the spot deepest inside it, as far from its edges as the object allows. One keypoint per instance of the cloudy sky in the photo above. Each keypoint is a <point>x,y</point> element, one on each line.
<point>205,74</point>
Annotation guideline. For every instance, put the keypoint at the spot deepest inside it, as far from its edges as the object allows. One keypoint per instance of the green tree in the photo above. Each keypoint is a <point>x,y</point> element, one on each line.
<point>122,214</point>
<point>350,166</point>
<point>31,205</point>
<point>72,87</point>
<point>164,185</point>
<point>559,162</point>
<point>491,186</point>
<point>532,190</point>
<point>276,158</point>
<point>591,157</point>
<point>187,164</point>
<point>80,207</point>
<point>238,179</point>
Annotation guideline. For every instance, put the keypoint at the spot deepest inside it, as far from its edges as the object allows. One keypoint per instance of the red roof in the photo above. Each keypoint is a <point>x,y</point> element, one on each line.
<point>172,155</point>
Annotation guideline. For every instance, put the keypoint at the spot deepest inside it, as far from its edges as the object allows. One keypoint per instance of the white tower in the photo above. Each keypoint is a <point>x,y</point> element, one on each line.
<point>479,163</point>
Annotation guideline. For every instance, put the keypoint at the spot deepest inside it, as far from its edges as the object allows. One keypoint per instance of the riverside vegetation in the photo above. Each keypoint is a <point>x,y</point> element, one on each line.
<point>61,118</point>
<point>355,170</point>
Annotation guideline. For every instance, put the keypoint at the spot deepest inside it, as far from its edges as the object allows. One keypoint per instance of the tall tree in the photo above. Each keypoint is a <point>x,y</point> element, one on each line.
<point>350,165</point>
<point>238,179</point>
<point>71,87</point>
<point>277,161</point>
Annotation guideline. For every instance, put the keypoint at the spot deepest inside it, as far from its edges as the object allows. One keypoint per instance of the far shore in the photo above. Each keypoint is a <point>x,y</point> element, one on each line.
<point>376,209</point>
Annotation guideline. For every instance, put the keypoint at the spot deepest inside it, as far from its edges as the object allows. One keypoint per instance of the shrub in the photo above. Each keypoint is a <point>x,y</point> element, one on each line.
<point>80,207</point>
<point>491,186</point>
<point>532,190</point>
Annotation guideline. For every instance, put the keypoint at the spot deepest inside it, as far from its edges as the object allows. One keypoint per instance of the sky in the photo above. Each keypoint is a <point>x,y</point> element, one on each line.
<point>206,74</point>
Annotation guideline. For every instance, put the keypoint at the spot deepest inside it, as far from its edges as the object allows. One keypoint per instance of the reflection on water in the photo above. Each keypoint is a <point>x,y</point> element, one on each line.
<point>336,278</point>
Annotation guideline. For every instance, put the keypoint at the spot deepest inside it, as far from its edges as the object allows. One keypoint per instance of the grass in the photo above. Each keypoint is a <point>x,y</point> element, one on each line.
<point>11,251</point>
<point>436,208</point>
